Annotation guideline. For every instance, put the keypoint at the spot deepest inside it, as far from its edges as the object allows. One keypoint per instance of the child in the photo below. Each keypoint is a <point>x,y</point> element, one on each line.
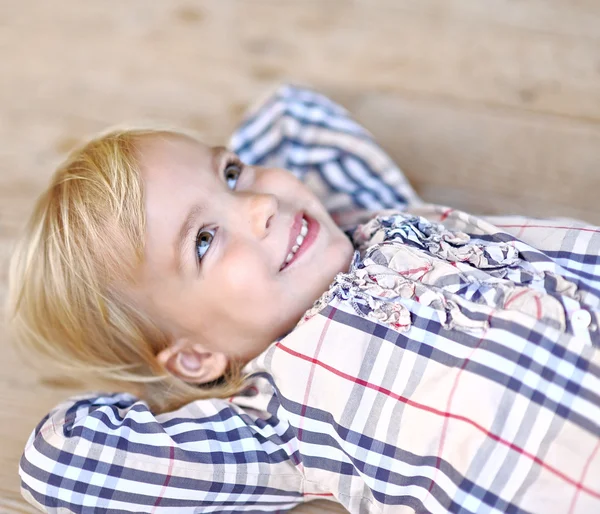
<point>402,358</point>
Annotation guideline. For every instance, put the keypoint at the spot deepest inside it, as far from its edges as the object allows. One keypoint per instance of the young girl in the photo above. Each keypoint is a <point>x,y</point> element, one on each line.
<point>301,326</point>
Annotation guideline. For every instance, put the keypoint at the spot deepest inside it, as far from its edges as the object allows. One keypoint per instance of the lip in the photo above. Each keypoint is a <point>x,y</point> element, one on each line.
<point>311,235</point>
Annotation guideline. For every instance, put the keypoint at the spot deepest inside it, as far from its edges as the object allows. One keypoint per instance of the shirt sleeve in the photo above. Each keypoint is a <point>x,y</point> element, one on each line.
<point>316,139</point>
<point>112,454</point>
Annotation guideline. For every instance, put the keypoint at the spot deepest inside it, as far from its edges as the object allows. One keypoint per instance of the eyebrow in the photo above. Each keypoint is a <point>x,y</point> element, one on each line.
<point>189,223</point>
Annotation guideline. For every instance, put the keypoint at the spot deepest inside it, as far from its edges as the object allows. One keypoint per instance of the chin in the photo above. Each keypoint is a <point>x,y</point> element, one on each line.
<point>345,251</point>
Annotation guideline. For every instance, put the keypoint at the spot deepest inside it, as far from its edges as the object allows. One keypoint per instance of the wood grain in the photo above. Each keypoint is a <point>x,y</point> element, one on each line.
<point>492,107</point>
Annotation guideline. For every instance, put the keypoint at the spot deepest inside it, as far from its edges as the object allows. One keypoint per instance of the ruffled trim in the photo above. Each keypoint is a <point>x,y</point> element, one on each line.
<point>401,257</point>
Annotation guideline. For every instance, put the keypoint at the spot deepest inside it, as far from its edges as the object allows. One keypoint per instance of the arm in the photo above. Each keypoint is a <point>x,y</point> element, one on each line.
<point>316,139</point>
<point>111,452</point>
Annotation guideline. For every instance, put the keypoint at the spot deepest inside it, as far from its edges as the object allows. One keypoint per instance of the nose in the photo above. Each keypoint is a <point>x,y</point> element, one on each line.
<point>261,209</point>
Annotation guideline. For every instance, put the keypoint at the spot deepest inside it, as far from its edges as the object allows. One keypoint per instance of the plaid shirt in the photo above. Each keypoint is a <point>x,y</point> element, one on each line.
<point>453,368</point>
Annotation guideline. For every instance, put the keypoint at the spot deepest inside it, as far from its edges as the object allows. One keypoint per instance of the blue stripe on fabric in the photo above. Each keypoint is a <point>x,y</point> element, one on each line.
<point>304,120</point>
<point>434,329</point>
<point>585,275</point>
<point>580,278</point>
<point>379,473</point>
<point>117,472</point>
<point>291,94</point>
<point>357,168</point>
<point>582,258</point>
<point>259,160</point>
<point>396,198</point>
<point>538,255</point>
<point>250,506</point>
<point>254,454</point>
<point>351,188</point>
<point>101,412</point>
<point>93,405</point>
<point>244,434</point>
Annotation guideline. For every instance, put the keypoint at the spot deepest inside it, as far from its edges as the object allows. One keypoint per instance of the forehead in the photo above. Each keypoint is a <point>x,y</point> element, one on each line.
<point>166,154</point>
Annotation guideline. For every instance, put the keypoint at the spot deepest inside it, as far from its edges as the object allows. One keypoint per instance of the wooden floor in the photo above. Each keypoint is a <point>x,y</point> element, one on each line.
<point>492,106</point>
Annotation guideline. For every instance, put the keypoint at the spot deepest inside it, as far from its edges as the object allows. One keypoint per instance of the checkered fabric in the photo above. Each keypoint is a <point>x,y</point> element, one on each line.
<point>453,368</point>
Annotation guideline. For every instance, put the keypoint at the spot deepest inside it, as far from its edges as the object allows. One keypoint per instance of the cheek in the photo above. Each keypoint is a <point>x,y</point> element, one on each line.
<point>245,276</point>
<point>171,306</point>
<point>248,295</point>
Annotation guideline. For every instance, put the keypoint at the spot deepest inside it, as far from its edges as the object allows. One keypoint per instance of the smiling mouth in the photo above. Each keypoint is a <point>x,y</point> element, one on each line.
<point>305,229</point>
<point>298,243</point>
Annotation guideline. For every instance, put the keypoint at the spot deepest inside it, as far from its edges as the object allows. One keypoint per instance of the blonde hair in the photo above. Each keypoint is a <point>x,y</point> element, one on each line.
<point>84,238</point>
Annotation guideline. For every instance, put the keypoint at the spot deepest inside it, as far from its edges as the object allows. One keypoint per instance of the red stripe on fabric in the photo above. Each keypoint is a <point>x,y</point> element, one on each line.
<point>445,214</point>
<point>327,495</point>
<point>414,270</point>
<point>522,230</point>
<point>582,229</point>
<point>538,306</point>
<point>518,295</point>
<point>167,479</point>
<point>438,412</point>
<point>438,461</point>
<point>536,299</point>
<point>583,474</point>
<point>312,373</point>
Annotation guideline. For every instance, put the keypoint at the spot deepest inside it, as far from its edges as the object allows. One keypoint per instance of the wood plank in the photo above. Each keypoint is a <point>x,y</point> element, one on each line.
<point>559,17</point>
<point>488,161</point>
<point>395,51</point>
<point>322,43</point>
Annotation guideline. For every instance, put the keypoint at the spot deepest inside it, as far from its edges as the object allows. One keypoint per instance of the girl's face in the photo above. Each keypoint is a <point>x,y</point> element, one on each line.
<point>217,275</point>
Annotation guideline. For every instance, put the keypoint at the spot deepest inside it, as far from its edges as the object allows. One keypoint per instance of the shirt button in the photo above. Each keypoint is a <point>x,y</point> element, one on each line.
<point>581,319</point>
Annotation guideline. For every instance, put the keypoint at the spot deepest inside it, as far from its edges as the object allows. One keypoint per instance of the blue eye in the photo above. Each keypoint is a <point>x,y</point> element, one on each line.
<point>232,173</point>
<point>203,241</point>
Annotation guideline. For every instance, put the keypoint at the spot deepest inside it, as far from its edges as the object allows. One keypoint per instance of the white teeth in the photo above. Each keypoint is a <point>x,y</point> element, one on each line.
<point>304,229</point>
<point>299,241</point>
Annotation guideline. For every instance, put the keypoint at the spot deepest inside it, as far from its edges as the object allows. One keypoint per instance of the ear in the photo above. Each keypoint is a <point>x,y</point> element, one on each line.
<point>191,363</point>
